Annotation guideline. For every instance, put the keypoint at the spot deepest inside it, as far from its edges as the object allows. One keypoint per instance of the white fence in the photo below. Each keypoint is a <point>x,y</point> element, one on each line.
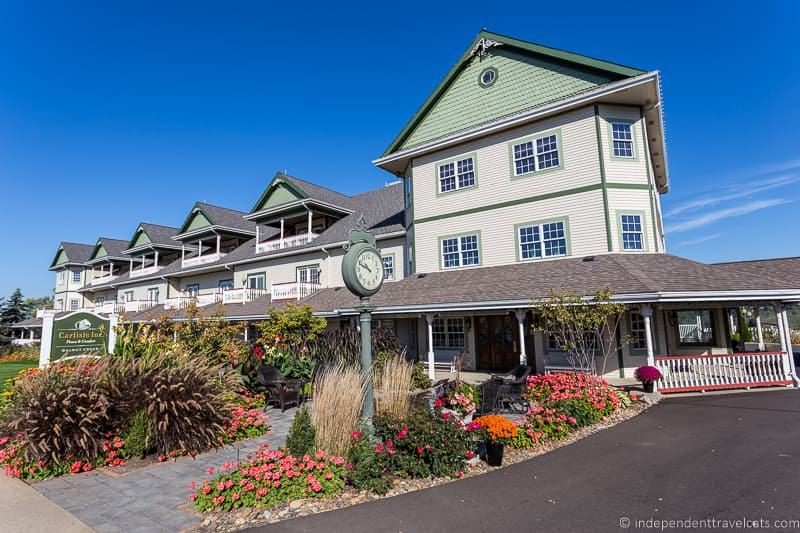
<point>729,371</point>
<point>294,290</point>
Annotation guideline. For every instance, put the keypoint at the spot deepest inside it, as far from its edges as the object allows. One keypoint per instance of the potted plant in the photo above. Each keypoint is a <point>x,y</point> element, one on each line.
<point>648,375</point>
<point>497,431</point>
<point>462,402</point>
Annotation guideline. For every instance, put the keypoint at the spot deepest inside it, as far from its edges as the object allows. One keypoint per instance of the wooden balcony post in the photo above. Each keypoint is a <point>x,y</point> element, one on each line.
<point>281,232</point>
<point>431,355</point>
<point>761,345</point>
<point>310,217</point>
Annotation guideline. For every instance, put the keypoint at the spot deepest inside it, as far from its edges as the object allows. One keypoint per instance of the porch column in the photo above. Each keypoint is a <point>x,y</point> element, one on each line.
<point>523,357</point>
<point>199,248</point>
<point>761,346</point>
<point>786,340</point>
<point>281,232</point>
<point>31,334</point>
<point>431,371</point>
<point>131,266</point>
<point>246,328</point>
<point>183,253</point>
<point>219,242</point>
<point>309,225</point>
<point>257,235</point>
<point>647,313</point>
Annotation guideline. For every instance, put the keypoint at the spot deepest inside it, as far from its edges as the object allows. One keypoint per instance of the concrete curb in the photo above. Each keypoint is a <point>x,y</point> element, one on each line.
<point>25,510</point>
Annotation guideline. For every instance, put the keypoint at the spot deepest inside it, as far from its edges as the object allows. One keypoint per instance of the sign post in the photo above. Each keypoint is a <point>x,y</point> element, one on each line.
<point>76,334</point>
<point>362,271</point>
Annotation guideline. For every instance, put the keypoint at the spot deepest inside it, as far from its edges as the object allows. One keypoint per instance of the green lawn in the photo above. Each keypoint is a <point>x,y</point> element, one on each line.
<point>8,370</point>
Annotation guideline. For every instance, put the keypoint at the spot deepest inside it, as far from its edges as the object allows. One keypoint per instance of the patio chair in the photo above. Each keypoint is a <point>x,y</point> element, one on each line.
<point>510,387</point>
<point>279,389</point>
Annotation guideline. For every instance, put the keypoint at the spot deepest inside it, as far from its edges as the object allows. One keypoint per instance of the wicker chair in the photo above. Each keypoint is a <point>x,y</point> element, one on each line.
<point>279,389</point>
<point>510,387</point>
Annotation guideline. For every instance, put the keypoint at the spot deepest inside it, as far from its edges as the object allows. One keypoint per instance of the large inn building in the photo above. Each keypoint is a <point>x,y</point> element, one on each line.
<point>528,169</point>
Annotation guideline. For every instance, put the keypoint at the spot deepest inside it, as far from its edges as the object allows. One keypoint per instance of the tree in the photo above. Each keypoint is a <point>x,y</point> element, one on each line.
<point>295,325</point>
<point>585,328</point>
<point>32,304</point>
<point>13,310</point>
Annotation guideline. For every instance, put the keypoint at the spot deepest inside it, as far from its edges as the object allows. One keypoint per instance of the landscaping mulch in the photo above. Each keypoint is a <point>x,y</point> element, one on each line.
<point>222,521</point>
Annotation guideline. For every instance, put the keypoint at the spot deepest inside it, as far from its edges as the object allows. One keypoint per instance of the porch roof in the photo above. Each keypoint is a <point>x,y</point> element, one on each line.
<point>634,278</point>
<point>786,269</point>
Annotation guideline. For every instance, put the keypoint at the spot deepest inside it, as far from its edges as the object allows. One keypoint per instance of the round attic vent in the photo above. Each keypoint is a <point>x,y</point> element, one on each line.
<point>488,77</point>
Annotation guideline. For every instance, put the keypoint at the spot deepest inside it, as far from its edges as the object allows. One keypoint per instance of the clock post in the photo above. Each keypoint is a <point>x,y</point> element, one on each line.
<point>362,271</point>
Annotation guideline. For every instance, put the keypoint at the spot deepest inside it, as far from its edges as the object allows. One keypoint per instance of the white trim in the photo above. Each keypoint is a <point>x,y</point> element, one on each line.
<point>296,203</point>
<point>212,228</point>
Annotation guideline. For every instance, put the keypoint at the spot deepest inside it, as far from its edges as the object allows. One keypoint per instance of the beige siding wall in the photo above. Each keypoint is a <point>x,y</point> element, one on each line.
<point>623,170</point>
<point>140,290</point>
<point>493,167</point>
<point>209,282</point>
<point>584,213</point>
<point>633,202</point>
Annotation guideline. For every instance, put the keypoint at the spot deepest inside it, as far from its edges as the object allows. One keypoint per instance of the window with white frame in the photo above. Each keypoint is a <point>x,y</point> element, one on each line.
<point>536,154</point>
<point>60,277</point>
<point>59,305</point>
<point>152,294</point>
<point>622,139</point>
<point>76,276</point>
<point>100,300</point>
<point>193,289</point>
<point>448,333</point>
<point>460,251</point>
<point>456,175</point>
<point>128,296</point>
<point>388,267</point>
<point>631,226</point>
<point>256,281</point>
<point>225,285</point>
<point>637,330</point>
<point>308,274</point>
<point>543,240</point>
<point>74,304</point>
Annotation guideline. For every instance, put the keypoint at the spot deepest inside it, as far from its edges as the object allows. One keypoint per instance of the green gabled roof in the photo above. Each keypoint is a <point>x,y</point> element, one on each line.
<point>536,74</point>
<point>140,237</point>
<point>197,218</point>
<point>280,190</point>
<point>99,251</point>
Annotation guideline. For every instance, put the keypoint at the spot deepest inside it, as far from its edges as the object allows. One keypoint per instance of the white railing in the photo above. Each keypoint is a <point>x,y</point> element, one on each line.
<point>102,279</point>
<point>109,307</point>
<point>286,242</point>
<point>24,342</point>
<point>201,300</point>
<point>202,259</point>
<point>134,306</point>
<point>136,272</point>
<point>728,371</point>
<point>294,290</point>
<point>41,313</point>
<point>242,296</point>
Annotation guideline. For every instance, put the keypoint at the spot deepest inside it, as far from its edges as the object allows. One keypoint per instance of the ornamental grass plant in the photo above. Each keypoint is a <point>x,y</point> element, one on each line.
<point>392,384</point>
<point>338,398</point>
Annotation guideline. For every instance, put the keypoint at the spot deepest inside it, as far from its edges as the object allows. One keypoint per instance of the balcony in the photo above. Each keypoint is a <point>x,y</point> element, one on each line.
<point>202,259</point>
<point>286,242</point>
<point>201,300</point>
<point>98,280</point>
<point>135,306</point>
<point>135,273</point>
<point>295,290</point>
<point>242,296</point>
<point>109,307</point>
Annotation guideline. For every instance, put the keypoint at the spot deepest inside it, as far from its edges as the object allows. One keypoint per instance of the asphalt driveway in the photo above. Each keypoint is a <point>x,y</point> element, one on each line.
<point>729,457</point>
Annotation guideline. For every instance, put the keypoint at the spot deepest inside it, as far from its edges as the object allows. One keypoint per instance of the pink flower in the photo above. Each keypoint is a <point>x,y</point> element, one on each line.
<point>192,485</point>
<point>235,496</point>
<point>192,496</point>
<point>328,475</point>
<point>210,471</point>
<point>218,500</point>
<point>378,448</point>
<point>220,486</point>
<point>355,435</point>
<point>206,489</point>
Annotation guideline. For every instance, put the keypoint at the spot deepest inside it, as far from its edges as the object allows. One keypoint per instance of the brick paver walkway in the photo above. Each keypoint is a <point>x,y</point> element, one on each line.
<point>154,498</point>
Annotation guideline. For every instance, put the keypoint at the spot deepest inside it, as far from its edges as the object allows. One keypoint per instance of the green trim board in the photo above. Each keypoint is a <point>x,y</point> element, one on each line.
<point>454,160</point>
<point>603,177</point>
<point>643,214</point>
<point>610,121</point>
<point>533,138</point>
<point>441,238</point>
<point>651,188</point>
<point>611,71</point>
<point>564,219</point>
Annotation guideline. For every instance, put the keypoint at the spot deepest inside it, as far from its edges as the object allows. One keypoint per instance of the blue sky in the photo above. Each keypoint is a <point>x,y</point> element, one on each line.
<point>134,110</point>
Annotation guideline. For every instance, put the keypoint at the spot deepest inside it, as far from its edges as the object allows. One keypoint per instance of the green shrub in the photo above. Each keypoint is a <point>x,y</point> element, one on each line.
<point>300,439</point>
<point>369,467</point>
<point>293,325</point>
<point>419,377</point>
<point>139,440</point>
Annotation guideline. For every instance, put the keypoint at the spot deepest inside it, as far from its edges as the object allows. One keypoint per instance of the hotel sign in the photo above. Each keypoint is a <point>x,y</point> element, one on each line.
<point>79,334</point>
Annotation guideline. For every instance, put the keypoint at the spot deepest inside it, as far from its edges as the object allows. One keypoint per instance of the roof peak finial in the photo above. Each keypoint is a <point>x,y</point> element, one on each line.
<point>483,45</point>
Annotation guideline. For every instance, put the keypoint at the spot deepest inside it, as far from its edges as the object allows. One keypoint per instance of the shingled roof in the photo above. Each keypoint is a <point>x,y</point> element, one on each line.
<point>785,269</point>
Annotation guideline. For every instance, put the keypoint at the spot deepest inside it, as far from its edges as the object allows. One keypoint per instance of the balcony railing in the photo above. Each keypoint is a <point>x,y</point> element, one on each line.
<point>136,272</point>
<point>294,290</point>
<point>242,296</point>
<point>41,313</point>
<point>201,300</point>
<point>109,307</point>
<point>286,242</point>
<point>202,259</point>
<point>136,306</point>
<point>103,279</point>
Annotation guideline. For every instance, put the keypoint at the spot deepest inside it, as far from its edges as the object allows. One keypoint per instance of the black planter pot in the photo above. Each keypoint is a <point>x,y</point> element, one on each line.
<point>494,453</point>
<point>480,450</point>
<point>648,387</point>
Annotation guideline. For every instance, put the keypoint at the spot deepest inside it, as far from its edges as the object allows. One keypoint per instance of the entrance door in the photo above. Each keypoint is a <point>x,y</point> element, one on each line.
<point>497,343</point>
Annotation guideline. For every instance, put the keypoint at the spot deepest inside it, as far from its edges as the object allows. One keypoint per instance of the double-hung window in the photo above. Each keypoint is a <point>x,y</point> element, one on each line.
<point>74,304</point>
<point>548,239</point>
<point>308,274</point>
<point>457,174</point>
<point>225,285</point>
<point>532,155</point>
<point>631,226</point>
<point>388,267</point>
<point>460,251</point>
<point>76,276</point>
<point>128,296</point>
<point>193,289</point>
<point>448,333</point>
<point>638,334</point>
<point>256,281</point>
<point>152,295</point>
<point>622,139</point>
<point>60,277</point>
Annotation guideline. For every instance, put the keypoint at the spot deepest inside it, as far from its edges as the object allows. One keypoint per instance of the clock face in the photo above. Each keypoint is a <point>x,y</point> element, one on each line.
<point>369,270</point>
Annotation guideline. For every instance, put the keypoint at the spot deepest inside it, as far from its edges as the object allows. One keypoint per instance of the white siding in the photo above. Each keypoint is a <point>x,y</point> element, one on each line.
<point>584,212</point>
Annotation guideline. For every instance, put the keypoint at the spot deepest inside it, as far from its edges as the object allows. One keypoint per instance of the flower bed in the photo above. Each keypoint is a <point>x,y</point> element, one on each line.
<point>269,478</point>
